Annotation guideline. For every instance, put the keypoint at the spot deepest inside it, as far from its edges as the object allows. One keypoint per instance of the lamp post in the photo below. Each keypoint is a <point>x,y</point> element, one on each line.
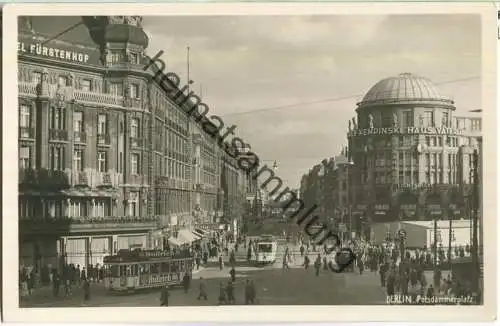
<point>476,197</point>
<point>350,164</point>
<point>475,218</point>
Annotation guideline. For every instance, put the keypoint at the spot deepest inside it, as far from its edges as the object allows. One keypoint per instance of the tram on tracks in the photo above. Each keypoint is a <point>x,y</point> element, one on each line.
<point>266,248</point>
<point>132,270</point>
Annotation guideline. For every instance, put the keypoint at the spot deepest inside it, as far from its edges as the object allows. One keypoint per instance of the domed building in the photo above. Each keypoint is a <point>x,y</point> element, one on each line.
<point>411,155</point>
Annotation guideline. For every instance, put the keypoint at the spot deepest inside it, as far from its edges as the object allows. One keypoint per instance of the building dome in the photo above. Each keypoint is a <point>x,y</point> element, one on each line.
<point>405,88</point>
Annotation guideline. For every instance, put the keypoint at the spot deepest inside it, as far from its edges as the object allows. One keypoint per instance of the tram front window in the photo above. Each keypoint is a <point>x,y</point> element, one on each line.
<point>114,271</point>
<point>165,267</point>
<point>175,266</point>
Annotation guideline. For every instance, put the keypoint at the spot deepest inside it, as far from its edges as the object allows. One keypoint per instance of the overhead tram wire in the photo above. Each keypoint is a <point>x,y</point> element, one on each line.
<point>335,99</point>
<point>69,29</point>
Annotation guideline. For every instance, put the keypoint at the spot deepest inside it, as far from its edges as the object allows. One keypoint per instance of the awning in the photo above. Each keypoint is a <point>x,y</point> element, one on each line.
<point>188,235</point>
<point>177,241</point>
<point>202,232</point>
<point>198,234</point>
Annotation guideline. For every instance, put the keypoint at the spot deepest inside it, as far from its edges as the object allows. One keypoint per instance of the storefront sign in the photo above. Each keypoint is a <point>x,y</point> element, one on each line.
<point>406,130</point>
<point>434,209</point>
<point>51,52</point>
<point>381,209</point>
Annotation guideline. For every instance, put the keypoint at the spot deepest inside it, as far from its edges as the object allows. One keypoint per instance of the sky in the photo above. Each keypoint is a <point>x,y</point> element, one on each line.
<point>245,64</point>
<point>290,83</point>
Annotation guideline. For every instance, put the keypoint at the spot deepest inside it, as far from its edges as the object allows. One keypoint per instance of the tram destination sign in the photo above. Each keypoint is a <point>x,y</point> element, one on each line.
<point>406,130</point>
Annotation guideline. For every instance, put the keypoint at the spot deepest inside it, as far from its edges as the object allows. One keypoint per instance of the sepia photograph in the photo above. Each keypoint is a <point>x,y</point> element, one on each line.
<point>328,157</point>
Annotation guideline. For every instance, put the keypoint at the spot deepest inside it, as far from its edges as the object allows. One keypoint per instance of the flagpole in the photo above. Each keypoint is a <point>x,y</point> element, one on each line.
<point>188,83</point>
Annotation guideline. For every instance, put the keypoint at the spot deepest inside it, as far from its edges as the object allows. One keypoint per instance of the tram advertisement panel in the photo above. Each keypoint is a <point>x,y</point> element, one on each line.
<point>162,279</point>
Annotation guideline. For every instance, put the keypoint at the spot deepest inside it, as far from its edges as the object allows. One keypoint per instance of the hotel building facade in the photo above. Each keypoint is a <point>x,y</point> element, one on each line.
<point>106,156</point>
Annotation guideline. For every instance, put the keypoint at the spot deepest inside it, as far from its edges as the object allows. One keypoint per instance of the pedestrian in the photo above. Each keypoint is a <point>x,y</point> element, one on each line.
<point>302,250</point>
<point>221,262</point>
<point>232,273</point>
<point>285,262</point>
<point>86,290</point>
<point>222,294</point>
<point>203,290</point>
<point>306,262</point>
<point>186,281</point>
<point>317,264</point>
<point>165,294</point>
<point>56,284</point>
<point>248,291</point>
<point>230,293</point>
<point>67,286</point>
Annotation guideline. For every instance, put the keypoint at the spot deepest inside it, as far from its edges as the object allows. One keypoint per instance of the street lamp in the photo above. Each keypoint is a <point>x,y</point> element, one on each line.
<point>349,164</point>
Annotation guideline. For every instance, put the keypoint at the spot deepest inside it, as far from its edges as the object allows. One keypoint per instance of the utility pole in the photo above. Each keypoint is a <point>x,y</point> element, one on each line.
<point>475,218</point>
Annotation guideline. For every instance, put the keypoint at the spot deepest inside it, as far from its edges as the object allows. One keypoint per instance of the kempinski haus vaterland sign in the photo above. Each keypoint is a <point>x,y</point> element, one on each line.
<point>406,130</point>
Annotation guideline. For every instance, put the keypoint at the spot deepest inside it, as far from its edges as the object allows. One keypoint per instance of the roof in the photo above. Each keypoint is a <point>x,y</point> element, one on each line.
<point>404,88</point>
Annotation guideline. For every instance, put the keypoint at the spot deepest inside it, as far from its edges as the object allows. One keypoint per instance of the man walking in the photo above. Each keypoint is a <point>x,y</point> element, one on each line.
<point>164,297</point>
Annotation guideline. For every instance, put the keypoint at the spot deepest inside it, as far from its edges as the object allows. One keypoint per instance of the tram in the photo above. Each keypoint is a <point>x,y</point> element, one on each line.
<point>266,249</point>
<point>137,269</point>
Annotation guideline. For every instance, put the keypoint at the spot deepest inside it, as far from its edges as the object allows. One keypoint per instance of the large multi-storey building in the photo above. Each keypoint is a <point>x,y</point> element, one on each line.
<point>105,154</point>
<point>408,158</point>
<point>412,156</point>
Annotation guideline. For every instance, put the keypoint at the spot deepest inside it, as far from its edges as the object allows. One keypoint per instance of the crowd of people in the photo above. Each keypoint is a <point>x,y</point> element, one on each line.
<point>62,280</point>
<point>408,276</point>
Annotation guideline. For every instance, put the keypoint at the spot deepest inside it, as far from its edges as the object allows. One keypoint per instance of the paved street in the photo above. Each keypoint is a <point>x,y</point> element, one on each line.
<point>274,287</point>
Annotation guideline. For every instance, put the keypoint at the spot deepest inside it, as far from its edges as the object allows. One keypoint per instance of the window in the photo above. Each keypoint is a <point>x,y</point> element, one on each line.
<point>78,121</point>
<point>78,160</point>
<point>86,85</point>
<point>115,57</point>
<point>407,118</point>
<point>134,164</point>
<point>428,119</point>
<point>133,58</point>
<point>116,88</point>
<point>102,164</point>
<point>36,77</point>
<point>100,208</point>
<point>57,121</point>
<point>24,157</point>
<point>63,81</point>
<point>25,116</point>
<point>56,158</point>
<point>476,125</point>
<point>134,91</point>
<point>120,162</point>
<point>445,119</point>
<point>133,207</point>
<point>134,128</point>
<point>77,208</point>
<point>102,125</point>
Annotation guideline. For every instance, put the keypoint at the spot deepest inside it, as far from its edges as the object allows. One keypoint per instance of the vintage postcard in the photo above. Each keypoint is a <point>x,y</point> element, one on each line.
<point>256,162</point>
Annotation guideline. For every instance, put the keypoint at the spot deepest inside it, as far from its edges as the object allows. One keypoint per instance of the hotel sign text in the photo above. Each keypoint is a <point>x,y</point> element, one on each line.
<point>406,130</point>
<point>56,53</point>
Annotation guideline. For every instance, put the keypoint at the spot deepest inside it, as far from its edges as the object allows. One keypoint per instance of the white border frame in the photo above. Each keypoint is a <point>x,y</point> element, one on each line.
<point>246,313</point>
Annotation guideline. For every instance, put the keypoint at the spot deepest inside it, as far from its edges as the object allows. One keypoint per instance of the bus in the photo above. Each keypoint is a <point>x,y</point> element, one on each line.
<point>137,269</point>
<point>266,248</point>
